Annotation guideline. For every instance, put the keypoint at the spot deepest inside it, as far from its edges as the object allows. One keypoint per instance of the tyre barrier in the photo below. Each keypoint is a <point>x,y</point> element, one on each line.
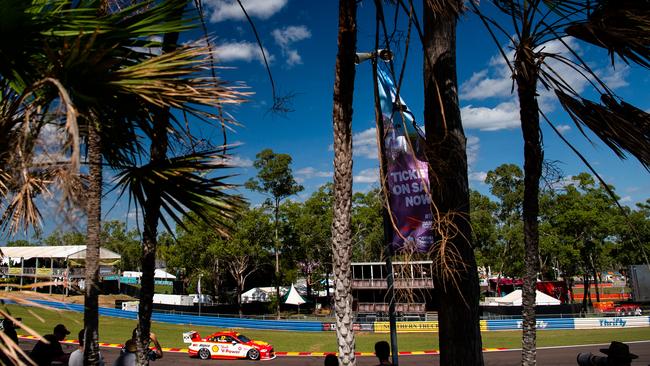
<point>377,327</point>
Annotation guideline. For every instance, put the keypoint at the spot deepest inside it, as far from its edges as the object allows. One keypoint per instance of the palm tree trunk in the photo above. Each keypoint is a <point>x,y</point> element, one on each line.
<point>93,239</point>
<point>342,221</point>
<point>460,336</point>
<point>151,213</point>
<point>526,75</point>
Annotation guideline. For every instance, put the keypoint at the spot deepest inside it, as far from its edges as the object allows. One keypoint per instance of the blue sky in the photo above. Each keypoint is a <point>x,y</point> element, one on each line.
<point>300,40</point>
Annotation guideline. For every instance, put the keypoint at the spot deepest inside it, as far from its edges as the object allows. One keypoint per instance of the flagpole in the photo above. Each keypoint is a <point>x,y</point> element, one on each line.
<point>385,55</point>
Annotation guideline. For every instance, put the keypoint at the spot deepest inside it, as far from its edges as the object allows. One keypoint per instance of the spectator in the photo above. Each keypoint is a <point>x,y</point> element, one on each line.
<point>128,355</point>
<point>9,328</point>
<point>48,349</point>
<point>77,357</point>
<point>331,360</point>
<point>618,354</point>
<point>382,351</point>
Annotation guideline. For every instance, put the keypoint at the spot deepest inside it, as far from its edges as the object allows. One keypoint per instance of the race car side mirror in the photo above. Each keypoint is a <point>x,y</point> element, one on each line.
<point>234,343</point>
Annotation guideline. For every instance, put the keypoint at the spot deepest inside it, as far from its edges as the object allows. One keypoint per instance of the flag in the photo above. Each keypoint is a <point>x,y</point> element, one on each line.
<point>407,177</point>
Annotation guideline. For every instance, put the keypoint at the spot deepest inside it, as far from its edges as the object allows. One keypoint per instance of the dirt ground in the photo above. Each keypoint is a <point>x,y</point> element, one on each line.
<point>107,301</point>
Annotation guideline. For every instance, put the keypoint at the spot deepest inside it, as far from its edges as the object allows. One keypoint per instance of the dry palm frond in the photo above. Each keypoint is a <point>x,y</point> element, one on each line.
<point>622,27</point>
<point>22,211</point>
<point>621,126</point>
<point>165,81</point>
<point>184,186</point>
<point>446,8</point>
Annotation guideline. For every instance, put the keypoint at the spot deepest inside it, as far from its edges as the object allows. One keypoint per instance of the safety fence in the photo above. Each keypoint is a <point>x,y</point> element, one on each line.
<point>377,327</point>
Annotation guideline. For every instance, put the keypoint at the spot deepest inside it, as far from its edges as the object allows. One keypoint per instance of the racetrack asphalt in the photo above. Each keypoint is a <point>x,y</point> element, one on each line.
<point>561,356</point>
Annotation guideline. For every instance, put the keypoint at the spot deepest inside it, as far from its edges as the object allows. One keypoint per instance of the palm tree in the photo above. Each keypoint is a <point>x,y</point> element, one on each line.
<point>342,222</point>
<point>100,70</point>
<point>622,126</point>
<point>457,277</point>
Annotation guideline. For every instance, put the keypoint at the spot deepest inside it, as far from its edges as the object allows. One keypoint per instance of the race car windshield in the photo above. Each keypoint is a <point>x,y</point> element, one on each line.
<point>243,338</point>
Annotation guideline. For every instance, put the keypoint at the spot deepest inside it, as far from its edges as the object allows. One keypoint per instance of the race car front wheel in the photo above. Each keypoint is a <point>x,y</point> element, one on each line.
<point>204,354</point>
<point>253,354</point>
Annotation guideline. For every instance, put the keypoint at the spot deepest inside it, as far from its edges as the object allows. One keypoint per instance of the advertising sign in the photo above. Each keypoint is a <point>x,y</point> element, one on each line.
<point>408,327</point>
<point>407,173</point>
<point>613,322</point>
<point>43,271</point>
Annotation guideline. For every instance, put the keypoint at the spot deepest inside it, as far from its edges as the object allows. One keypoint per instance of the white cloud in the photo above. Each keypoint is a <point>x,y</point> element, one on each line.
<point>481,86</point>
<point>241,51</point>
<point>615,78</point>
<point>504,116</point>
<point>495,81</point>
<point>370,175</point>
<point>563,128</point>
<point>478,176</point>
<point>473,145</point>
<point>310,172</point>
<point>286,37</point>
<point>364,143</point>
<point>626,199</point>
<point>240,162</point>
<point>230,9</point>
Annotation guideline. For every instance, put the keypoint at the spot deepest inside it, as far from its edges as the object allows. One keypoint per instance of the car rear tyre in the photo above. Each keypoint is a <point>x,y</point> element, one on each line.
<point>253,354</point>
<point>204,354</point>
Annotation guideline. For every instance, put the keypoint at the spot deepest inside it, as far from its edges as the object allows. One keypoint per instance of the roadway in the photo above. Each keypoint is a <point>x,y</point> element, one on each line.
<point>561,356</point>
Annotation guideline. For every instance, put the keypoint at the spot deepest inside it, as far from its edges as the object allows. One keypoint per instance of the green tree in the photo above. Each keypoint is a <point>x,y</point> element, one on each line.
<point>586,218</point>
<point>58,237</point>
<point>633,236</point>
<point>275,179</point>
<point>115,237</point>
<point>311,223</point>
<point>606,24</point>
<point>246,251</point>
<point>484,229</point>
<point>367,226</point>
<point>135,83</point>
<point>506,185</point>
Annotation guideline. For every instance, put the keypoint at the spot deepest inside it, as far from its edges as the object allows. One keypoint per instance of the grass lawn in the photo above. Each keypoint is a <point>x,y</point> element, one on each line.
<point>116,330</point>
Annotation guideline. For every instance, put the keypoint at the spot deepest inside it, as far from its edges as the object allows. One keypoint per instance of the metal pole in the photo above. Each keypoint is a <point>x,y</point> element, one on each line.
<point>199,291</point>
<point>36,274</point>
<point>51,273</point>
<point>22,271</point>
<point>388,228</point>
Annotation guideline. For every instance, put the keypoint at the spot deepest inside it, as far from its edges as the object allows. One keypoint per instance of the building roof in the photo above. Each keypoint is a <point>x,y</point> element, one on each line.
<point>59,252</point>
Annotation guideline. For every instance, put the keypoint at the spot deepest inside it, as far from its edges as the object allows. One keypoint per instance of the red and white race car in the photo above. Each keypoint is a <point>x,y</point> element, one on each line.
<point>227,345</point>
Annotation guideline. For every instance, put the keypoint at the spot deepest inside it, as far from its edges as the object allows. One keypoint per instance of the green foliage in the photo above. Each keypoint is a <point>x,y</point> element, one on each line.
<point>274,176</point>
<point>59,237</point>
<point>367,226</point>
<point>115,237</point>
<point>581,229</point>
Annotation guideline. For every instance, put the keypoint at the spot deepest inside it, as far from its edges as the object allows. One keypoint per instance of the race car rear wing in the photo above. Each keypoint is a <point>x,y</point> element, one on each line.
<point>192,336</point>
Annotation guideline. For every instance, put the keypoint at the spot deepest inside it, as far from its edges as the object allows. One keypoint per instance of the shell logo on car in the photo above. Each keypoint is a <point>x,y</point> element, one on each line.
<point>227,345</point>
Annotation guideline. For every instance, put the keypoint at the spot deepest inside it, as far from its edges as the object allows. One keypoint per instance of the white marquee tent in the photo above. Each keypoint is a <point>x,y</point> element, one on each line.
<point>514,299</point>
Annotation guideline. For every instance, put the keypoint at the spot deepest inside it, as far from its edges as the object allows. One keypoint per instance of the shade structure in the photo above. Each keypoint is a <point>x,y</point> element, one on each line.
<point>514,299</point>
<point>74,253</point>
<point>293,297</point>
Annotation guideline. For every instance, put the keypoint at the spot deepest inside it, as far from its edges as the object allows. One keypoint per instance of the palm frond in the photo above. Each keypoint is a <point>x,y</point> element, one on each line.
<point>621,126</point>
<point>22,212</point>
<point>184,185</point>
<point>621,27</point>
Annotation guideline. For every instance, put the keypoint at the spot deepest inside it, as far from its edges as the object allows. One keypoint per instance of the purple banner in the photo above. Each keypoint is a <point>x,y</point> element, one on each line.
<point>407,174</point>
